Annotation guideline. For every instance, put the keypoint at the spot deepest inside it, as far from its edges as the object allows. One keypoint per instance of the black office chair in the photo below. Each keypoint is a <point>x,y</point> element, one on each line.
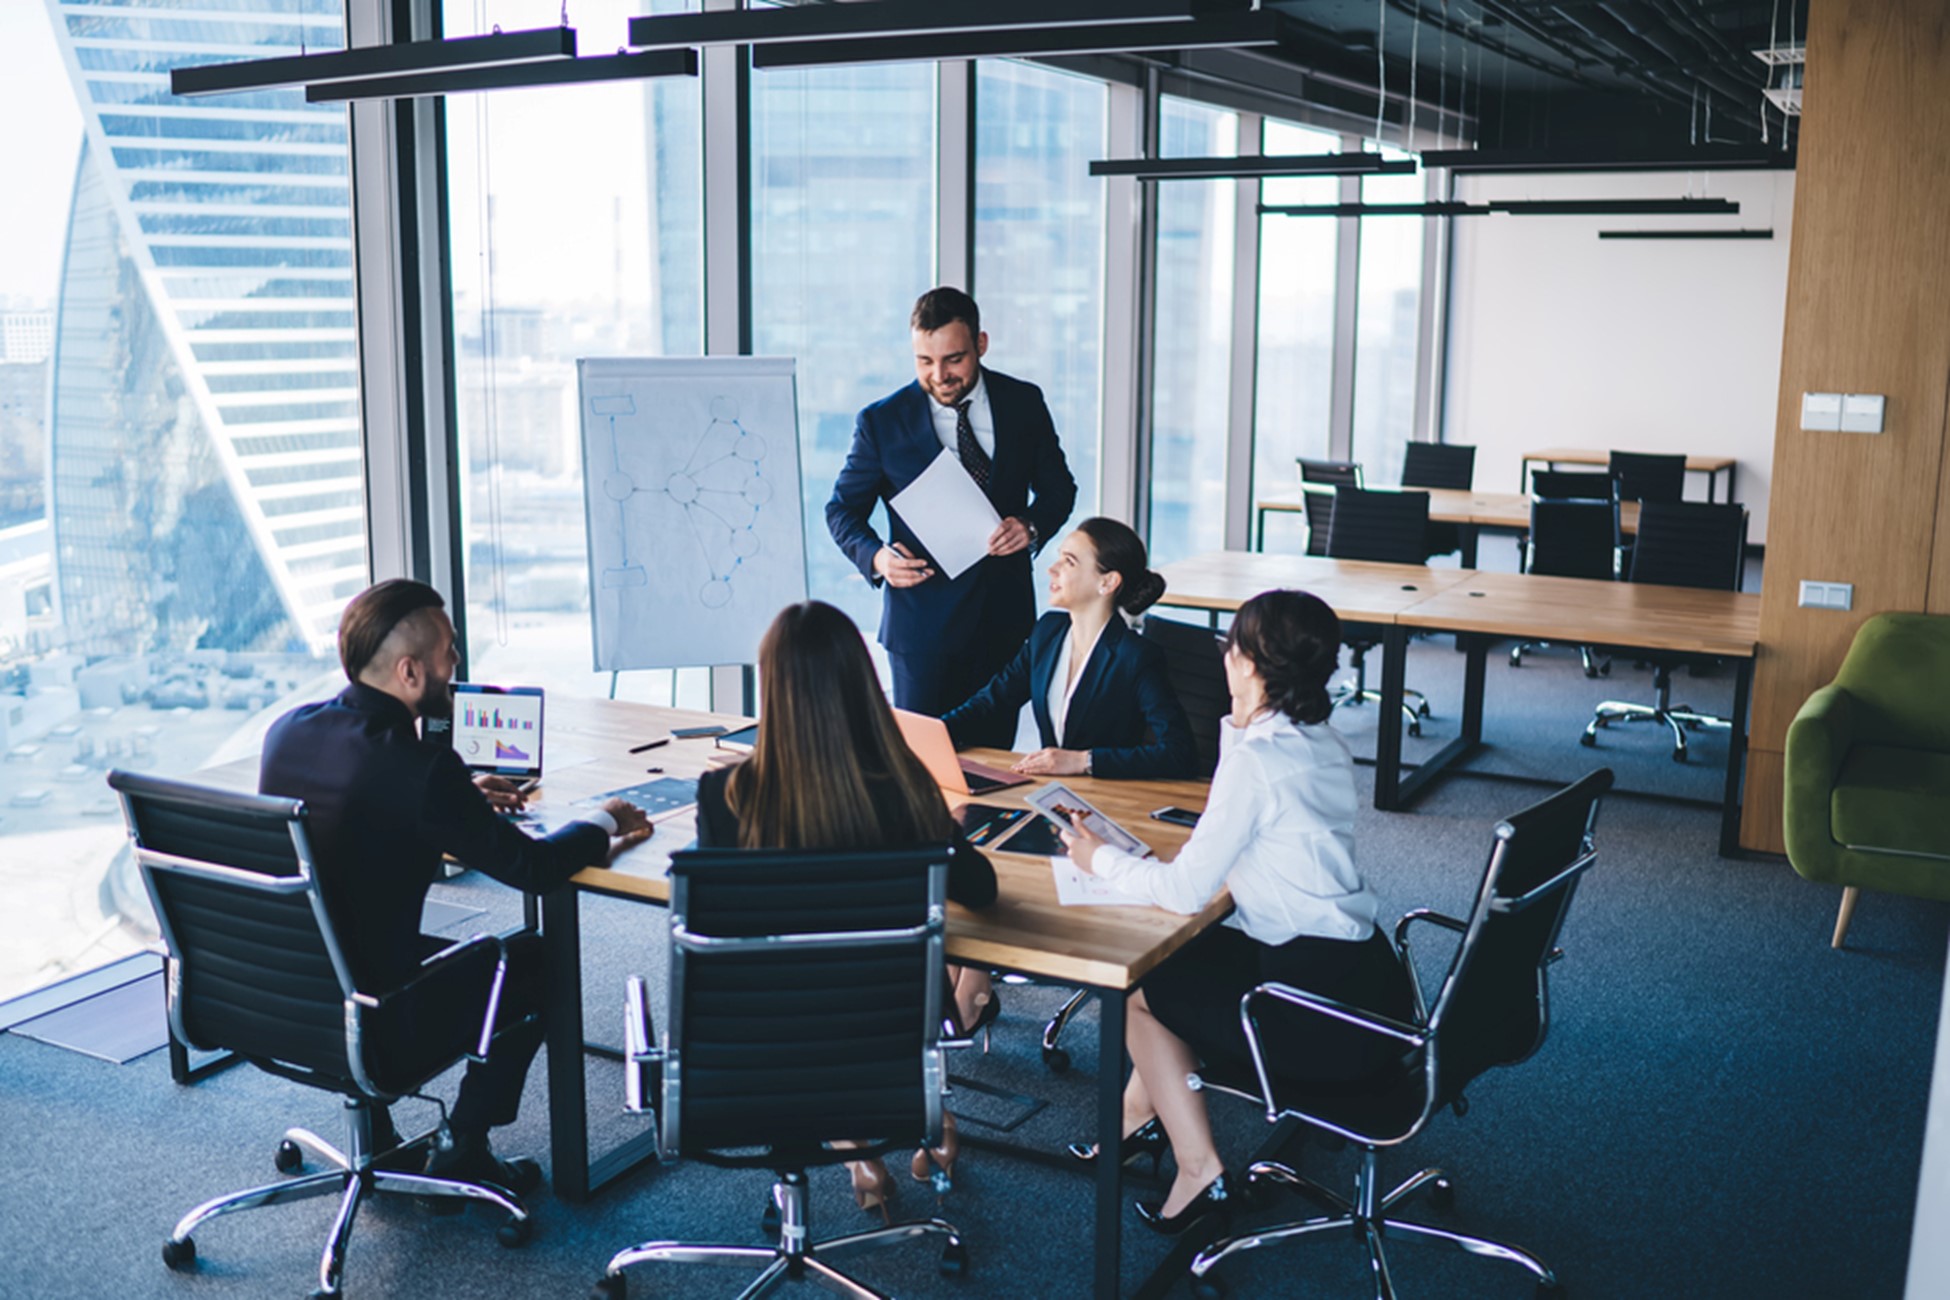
<point>1492,1009</point>
<point>255,967</point>
<point>1570,485</point>
<point>1329,473</point>
<point>1680,544</point>
<point>1320,517</point>
<point>1391,527</point>
<point>805,1004</point>
<point>1440,465</point>
<point>1648,476</point>
<point>1572,539</point>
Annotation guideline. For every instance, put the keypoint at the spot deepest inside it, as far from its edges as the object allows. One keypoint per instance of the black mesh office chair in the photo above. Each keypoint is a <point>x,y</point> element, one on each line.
<point>1570,485</point>
<point>1440,465</point>
<point>255,967</point>
<point>804,1008</point>
<point>1492,1009</point>
<point>1320,517</point>
<point>1329,473</point>
<point>1648,476</point>
<point>1572,539</point>
<point>1680,544</point>
<point>1391,527</point>
<point>1195,658</point>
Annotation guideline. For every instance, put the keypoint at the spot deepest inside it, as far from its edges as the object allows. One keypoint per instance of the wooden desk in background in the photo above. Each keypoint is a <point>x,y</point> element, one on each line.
<point>1480,608</point>
<point>1552,457</point>
<point>1028,931</point>
<point>1471,512</point>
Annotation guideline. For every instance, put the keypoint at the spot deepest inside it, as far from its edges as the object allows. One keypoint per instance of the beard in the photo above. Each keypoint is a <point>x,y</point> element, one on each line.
<point>437,701</point>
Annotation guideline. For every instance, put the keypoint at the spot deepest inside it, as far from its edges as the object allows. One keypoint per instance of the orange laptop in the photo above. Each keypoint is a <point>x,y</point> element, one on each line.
<point>928,738</point>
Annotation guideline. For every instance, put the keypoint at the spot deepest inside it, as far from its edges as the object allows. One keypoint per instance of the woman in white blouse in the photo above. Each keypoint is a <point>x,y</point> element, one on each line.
<point>1278,831</point>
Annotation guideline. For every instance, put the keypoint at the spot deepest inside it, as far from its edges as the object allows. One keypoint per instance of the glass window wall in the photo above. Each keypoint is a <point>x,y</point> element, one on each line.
<point>1193,338</point>
<point>1388,309</point>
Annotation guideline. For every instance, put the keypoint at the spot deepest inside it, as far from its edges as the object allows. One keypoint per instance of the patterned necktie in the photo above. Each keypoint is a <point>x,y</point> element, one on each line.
<point>973,458</point>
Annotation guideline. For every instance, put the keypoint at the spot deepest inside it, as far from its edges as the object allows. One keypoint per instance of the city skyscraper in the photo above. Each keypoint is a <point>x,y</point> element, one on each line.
<point>204,438</point>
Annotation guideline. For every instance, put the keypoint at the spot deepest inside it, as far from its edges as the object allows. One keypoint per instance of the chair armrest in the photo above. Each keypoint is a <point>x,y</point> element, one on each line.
<point>1408,961</point>
<point>460,965</point>
<point>1387,1027</point>
<point>1818,741</point>
<point>638,1034</point>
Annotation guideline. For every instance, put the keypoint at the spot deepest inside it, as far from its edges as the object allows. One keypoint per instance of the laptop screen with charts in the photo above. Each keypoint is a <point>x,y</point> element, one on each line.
<point>499,729</point>
<point>928,738</point>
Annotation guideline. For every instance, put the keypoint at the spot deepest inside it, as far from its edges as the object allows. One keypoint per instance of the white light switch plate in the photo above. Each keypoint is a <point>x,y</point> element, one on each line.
<point>1861,412</point>
<point>1827,595</point>
<point>1821,412</point>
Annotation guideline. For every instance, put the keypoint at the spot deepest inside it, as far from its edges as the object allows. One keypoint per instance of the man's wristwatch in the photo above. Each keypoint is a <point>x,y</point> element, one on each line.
<point>1035,537</point>
<point>1089,760</point>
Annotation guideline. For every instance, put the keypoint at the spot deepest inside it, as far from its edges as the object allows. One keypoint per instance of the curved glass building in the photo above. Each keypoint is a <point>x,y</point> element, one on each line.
<point>205,457</point>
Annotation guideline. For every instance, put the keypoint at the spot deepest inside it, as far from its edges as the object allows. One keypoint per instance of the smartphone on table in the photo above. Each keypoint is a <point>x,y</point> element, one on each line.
<point>1175,815</point>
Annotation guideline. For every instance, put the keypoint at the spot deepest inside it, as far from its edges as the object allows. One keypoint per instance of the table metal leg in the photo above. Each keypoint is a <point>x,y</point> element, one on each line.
<point>568,1108</point>
<point>1466,534</point>
<point>1736,761</point>
<point>1452,754</point>
<point>1388,718</point>
<point>1110,1134</point>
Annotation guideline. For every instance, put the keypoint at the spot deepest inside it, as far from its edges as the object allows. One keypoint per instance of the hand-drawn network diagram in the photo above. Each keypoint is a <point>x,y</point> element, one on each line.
<point>721,489</point>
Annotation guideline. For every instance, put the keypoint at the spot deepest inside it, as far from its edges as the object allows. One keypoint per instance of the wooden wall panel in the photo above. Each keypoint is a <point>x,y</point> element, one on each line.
<point>1868,288</point>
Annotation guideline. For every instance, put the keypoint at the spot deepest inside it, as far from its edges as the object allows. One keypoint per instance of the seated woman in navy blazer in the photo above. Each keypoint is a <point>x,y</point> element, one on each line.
<point>1101,693</point>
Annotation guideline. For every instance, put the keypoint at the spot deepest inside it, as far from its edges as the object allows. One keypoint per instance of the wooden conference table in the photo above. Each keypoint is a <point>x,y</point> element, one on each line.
<point>1107,949</point>
<point>1552,457</point>
<point>1392,601</point>
<point>1470,511</point>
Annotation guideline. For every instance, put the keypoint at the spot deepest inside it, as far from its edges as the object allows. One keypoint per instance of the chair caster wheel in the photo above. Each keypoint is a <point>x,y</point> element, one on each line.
<point>1056,1060</point>
<point>514,1233</point>
<point>610,1288</point>
<point>768,1222</point>
<point>1678,755</point>
<point>1424,710</point>
<point>954,1259</point>
<point>1208,1288</point>
<point>1550,1291</point>
<point>1415,729</point>
<point>290,1157</point>
<point>1588,740</point>
<point>1442,1194</point>
<point>179,1254</point>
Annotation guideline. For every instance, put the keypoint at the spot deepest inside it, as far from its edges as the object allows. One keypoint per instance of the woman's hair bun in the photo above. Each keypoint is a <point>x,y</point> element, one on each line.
<point>1142,592</point>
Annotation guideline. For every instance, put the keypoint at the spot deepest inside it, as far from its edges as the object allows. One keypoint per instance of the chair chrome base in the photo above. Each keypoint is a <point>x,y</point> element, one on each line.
<point>351,1178</point>
<point>1054,1056</point>
<point>1594,664</point>
<point>1681,718</point>
<point>1366,1219</point>
<point>793,1258</point>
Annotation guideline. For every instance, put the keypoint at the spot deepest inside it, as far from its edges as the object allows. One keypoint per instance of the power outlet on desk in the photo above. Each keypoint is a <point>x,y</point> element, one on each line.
<point>1827,595</point>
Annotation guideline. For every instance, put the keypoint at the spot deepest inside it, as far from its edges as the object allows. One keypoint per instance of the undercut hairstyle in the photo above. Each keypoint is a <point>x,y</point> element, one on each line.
<point>1121,551</point>
<point>937,308</point>
<point>373,615</point>
<point>831,769</point>
<point>1293,640</point>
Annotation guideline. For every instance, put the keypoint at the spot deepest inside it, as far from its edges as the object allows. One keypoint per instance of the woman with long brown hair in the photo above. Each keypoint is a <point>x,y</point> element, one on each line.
<point>831,771</point>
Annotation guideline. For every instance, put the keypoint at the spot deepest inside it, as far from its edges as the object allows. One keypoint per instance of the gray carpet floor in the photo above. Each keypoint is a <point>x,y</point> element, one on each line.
<point>1724,1108</point>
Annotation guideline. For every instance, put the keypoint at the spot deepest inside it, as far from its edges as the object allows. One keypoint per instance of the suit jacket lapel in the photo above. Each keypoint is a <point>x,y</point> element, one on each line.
<point>1091,679</point>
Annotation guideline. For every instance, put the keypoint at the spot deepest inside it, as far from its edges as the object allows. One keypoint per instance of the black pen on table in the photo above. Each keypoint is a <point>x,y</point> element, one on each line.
<point>661,740</point>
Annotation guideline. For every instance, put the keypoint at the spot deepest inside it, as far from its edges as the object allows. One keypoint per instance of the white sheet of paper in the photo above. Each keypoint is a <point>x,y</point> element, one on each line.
<point>951,516</point>
<point>1076,887</point>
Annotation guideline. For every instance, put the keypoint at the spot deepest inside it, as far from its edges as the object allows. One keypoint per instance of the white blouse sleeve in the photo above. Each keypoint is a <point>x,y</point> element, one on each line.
<point>1189,881</point>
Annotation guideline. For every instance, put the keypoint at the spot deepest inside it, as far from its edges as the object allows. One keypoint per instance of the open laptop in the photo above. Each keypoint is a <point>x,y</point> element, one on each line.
<point>928,738</point>
<point>498,729</point>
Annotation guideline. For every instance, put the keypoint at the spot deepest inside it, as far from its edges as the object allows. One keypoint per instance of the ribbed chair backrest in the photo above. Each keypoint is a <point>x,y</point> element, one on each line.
<point>1332,473</point>
<point>1690,544</point>
<point>1569,485</point>
<point>254,967</point>
<point>1391,526</point>
<point>1574,539</point>
<point>1648,476</point>
<point>1493,1007</point>
<point>805,1001</point>
<point>1320,518</point>
<point>1438,465</point>
<point>1195,659</point>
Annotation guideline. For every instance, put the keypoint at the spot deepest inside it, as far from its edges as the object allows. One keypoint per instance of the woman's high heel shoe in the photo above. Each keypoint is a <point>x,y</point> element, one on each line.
<point>937,1164</point>
<point>990,1012</point>
<point>873,1186</point>
<point>1147,1140</point>
<point>1216,1198</point>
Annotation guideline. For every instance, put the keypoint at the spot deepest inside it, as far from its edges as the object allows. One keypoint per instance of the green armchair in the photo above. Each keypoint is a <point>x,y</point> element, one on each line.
<point>1868,767</point>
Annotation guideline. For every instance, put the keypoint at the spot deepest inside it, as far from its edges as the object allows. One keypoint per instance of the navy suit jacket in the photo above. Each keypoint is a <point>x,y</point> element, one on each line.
<point>1123,710</point>
<point>384,806</point>
<point>893,441</point>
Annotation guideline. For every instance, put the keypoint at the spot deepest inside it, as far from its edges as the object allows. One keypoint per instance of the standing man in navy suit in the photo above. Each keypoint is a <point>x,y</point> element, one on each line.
<point>946,638</point>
